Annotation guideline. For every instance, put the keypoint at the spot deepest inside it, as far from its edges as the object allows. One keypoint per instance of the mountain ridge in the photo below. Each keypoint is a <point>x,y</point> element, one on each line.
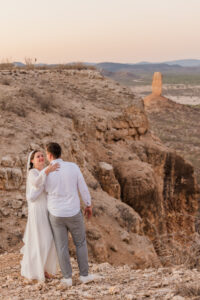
<point>179,62</point>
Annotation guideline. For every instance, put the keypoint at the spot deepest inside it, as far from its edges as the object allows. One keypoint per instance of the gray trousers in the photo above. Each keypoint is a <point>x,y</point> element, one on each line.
<point>75,225</point>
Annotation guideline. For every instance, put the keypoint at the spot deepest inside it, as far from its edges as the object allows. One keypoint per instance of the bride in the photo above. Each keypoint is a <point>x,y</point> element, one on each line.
<point>39,253</point>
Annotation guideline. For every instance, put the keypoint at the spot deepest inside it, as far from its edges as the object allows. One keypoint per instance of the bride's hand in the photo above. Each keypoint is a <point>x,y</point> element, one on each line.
<point>52,168</point>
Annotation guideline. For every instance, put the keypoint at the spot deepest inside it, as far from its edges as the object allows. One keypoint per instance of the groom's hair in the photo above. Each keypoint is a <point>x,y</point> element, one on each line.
<point>54,149</point>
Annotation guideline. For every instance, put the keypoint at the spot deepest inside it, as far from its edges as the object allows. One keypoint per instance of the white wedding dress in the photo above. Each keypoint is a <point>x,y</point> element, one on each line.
<point>39,253</point>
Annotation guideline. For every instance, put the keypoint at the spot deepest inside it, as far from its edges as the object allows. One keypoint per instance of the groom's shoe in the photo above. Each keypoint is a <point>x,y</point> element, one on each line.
<point>67,281</point>
<point>88,278</point>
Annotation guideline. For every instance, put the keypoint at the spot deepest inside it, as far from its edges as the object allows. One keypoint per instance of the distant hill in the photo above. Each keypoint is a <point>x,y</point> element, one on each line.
<point>175,72</point>
<point>18,64</point>
<point>180,62</point>
<point>115,67</point>
<point>185,62</point>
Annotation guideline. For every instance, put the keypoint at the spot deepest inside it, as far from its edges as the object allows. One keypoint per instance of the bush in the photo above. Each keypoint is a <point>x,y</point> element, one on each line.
<point>6,65</point>
<point>11,106</point>
<point>5,81</point>
<point>188,290</point>
<point>75,66</point>
<point>46,102</point>
<point>30,63</point>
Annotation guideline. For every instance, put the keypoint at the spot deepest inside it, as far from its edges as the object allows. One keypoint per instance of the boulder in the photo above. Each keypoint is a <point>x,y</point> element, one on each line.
<point>5,211</point>
<point>7,161</point>
<point>16,204</point>
<point>108,180</point>
<point>10,178</point>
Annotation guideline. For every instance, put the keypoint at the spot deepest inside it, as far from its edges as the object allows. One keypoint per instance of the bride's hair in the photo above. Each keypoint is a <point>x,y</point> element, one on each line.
<point>31,158</point>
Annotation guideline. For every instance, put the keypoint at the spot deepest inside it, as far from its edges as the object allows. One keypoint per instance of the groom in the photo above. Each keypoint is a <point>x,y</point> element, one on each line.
<point>63,204</point>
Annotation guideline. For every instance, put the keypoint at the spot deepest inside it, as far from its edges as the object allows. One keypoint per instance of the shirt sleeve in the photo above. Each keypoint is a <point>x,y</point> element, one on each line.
<point>36,185</point>
<point>83,189</point>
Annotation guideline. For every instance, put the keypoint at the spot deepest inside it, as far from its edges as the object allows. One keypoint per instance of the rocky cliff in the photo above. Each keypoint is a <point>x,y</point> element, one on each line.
<point>144,195</point>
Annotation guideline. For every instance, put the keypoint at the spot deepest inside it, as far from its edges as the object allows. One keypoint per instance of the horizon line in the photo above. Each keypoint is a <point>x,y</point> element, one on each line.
<point>108,61</point>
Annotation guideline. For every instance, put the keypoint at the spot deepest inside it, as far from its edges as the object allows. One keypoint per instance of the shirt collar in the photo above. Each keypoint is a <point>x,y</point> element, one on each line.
<point>56,160</point>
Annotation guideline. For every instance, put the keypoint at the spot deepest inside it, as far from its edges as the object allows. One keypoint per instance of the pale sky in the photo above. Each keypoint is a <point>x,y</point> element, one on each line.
<point>129,31</point>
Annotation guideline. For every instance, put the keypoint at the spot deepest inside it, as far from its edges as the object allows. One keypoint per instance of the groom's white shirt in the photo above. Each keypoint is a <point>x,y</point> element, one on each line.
<point>63,187</point>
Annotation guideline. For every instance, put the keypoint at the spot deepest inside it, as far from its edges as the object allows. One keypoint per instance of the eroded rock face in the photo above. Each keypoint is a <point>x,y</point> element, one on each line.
<point>139,190</point>
<point>162,189</point>
<point>131,124</point>
<point>114,225</point>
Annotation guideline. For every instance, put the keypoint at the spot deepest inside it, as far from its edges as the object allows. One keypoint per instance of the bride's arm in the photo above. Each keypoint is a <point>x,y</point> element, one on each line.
<point>35,185</point>
<point>33,193</point>
<point>36,180</point>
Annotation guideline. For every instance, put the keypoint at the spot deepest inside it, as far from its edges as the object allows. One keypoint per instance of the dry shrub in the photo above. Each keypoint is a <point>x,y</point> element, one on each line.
<point>6,65</point>
<point>10,105</point>
<point>188,289</point>
<point>5,81</point>
<point>30,63</point>
<point>75,66</point>
<point>125,215</point>
<point>178,249</point>
<point>66,114</point>
<point>46,101</point>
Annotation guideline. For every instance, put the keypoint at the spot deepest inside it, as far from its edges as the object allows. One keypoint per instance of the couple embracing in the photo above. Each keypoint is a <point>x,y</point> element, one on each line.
<point>53,210</point>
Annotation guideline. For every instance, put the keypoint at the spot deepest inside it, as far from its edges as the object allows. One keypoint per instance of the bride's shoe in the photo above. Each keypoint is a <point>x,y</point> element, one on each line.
<point>47,275</point>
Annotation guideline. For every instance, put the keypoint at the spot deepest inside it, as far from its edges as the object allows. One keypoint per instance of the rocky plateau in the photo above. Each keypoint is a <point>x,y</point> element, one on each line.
<point>144,194</point>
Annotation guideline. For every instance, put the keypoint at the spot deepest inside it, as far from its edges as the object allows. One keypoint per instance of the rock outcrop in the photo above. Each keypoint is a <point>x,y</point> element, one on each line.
<point>156,94</point>
<point>157,84</point>
<point>162,189</point>
<point>108,180</point>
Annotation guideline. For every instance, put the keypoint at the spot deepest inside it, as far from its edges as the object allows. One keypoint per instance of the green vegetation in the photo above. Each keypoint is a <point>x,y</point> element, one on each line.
<point>191,79</point>
<point>146,79</point>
